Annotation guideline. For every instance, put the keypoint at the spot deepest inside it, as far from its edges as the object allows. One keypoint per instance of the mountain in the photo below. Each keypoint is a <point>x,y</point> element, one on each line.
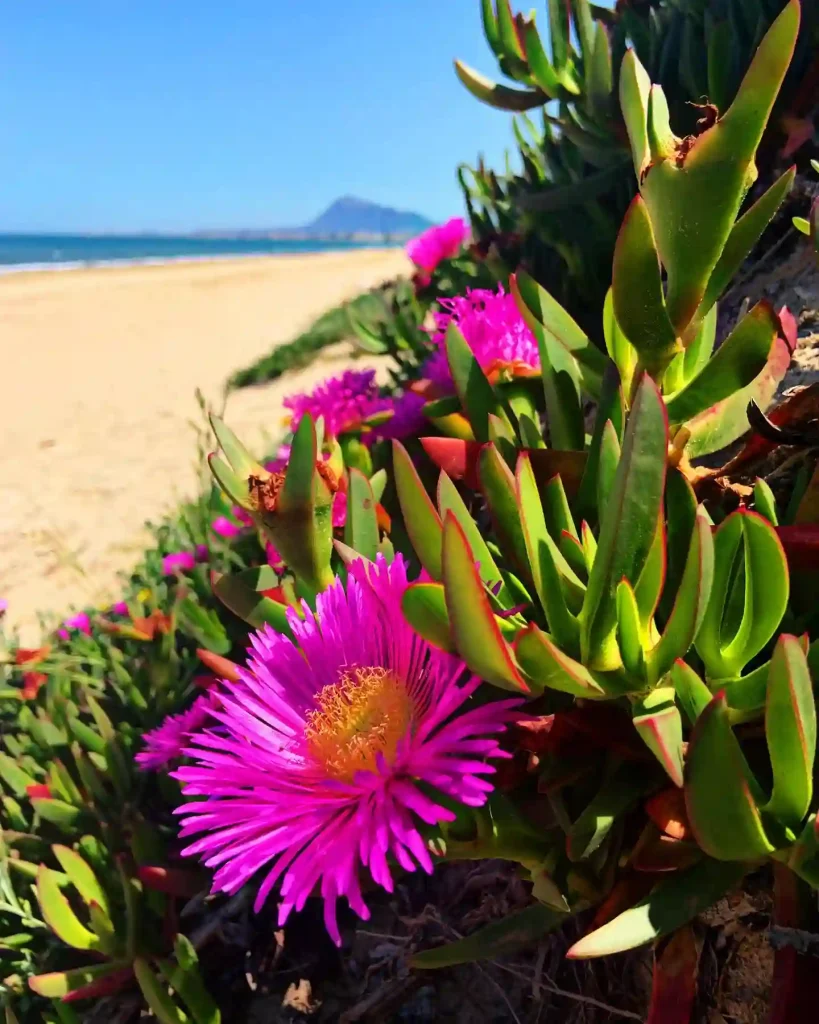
<point>350,215</point>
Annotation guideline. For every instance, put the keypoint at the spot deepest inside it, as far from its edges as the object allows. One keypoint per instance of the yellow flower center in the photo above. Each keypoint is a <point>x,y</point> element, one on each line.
<point>364,714</point>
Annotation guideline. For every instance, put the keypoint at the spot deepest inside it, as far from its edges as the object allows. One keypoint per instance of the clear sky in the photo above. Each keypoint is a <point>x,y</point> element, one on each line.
<point>171,115</point>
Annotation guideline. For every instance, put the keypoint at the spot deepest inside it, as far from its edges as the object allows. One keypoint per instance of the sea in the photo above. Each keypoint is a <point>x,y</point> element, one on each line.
<point>65,252</point>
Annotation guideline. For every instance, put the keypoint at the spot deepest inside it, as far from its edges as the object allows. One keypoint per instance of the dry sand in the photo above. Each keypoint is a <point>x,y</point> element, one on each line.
<point>100,368</point>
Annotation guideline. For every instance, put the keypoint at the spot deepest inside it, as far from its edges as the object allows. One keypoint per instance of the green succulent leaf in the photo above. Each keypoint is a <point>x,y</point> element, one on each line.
<point>750,566</point>
<point>156,995</point>
<point>59,916</point>
<point>629,524</point>
<point>497,483</point>
<point>495,95</point>
<point>670,904</point>
<point>622,352</point>
<point>237,593</point>
<point>790,729</point>
<point>657,721</point>
<point>629,631</point>
<point>556,584</point>
<point>540,66</point>
<point>618,793</point>
<point>721,792</point>
<point>549,667</point>
<point>692,693</point>
<point>241,461</point>
<point>637,291</point>
<point>497,939</point>
<point>361,527</point>
<point>424,608</point>
<point>719,166</point>
<point>475,631</point>
<point>420,515</point>
<point>635,87</point>
<point>691,603</point>
<point>738,361</point>
<point>58,984</point>
<point>543,314</point>
<point>743,237</point>
<point>82,877</point>
<point>724,422</point>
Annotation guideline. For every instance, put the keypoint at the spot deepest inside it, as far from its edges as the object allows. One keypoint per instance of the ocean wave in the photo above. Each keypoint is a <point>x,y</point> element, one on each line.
<point>158,261</point>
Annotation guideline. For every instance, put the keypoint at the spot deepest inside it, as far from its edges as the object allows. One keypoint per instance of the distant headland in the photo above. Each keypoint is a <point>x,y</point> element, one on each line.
<point>348,218</point>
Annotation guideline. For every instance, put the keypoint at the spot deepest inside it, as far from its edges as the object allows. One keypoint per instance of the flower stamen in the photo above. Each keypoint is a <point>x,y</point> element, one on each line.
<point>364,714</point>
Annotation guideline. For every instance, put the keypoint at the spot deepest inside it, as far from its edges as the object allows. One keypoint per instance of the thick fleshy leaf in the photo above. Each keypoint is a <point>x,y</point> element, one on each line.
<point>629,524</point>
<point>82,877</point>
<point>249,604</point>
<point>738,361</point>
<point>790,729</point>
<point>59,916</point>
<point>622,352</point>
<point>749,566</point>
<point>720,791</point>
<point>156,995</point>
<point>718,165</point>
<point>58,812</point>
<point>14,777</point>
<point>629,633</point>
<point>539,64</point>
<point>637,291</point>
<point>59,984</point>
<point>611,409</point>
<point>496,95</point>
<point>241,461</point>
<point>475,632</point>
<point>724,422</point>
<point>497,483</point>
<point>635,86</point>
<point>233,486</point>
<point>608,460</point>
<point>496,939</point>
<point>361,527</point>
<point>599,76</point>
<point>672,903</point>
<point>424,607</point>
<point>476,394</point>
<point>450,501</point>
<point>185,978</point>
<point>658,722</point>
<point>649,585</point>
<point>744,236</point>
<point>547,666</point>
<point>421,518</point>
<point>556,584</point>
<point>691,602</point>
<point>539,309</point>
<point>765,501</point>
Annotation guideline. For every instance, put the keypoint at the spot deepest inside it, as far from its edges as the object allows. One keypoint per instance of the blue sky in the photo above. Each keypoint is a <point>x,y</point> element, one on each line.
<point>171,115</point>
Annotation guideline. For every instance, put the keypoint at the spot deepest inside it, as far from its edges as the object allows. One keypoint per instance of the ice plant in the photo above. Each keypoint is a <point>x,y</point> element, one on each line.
<point>224,527</point>
<point>345,402</point>
<point>167,742</point>
<point>178,561</point>
<point>80,622</point>
<point>332,750</point>
<point>495,331</point>
<point>440,242</point>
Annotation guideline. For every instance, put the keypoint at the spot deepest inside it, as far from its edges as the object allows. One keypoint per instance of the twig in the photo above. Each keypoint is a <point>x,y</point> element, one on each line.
<point>576,996</point>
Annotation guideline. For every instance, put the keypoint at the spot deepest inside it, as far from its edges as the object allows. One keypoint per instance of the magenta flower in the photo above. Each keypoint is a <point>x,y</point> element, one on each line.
<point>178,561</point>
<point>274,558</point>
<point>333,750</point>
<point>407,419</point>
<point>119,608</point>
<point>4,605</point>
<point>224,527</point>
<point>345,402</point>
<point>440,242</point>
<point>167,742</point>
<point>494,330</point>
<point>80,622</point>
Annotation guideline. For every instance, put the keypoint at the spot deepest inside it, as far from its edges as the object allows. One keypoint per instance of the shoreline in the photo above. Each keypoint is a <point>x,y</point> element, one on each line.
<point>63,266</point>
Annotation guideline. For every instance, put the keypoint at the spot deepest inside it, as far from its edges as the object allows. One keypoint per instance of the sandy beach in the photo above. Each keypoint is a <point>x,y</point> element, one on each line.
<point>97,417</point>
